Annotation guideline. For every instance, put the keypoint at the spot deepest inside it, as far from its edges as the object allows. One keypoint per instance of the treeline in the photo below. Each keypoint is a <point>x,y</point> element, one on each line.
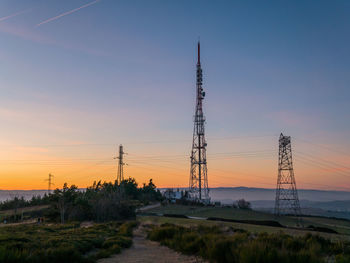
<point>99,202</point>
<point>20,202</point>
<point>236,245</point>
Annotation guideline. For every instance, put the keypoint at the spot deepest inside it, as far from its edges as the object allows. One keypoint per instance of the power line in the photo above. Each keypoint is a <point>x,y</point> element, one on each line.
<point>323,165</point>
<point>323,168</point>
<point>324,161</point>
<point>323,146</point>
<point>327,166</point>
<point>137,142</point>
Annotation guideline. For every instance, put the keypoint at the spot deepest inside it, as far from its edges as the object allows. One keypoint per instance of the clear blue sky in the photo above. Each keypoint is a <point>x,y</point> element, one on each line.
<point>124,72</point>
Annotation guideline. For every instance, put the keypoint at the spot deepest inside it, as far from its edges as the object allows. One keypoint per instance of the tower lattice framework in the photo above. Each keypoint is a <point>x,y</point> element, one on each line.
<point>198,186</point>
<point>120,173</point>
<point>49,183</point>
<point>287,201</point>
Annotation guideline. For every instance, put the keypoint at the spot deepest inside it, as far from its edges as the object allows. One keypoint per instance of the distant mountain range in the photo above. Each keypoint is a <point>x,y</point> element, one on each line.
<point>313,202</point>
<point>261,194</point>
<point>27,194</point>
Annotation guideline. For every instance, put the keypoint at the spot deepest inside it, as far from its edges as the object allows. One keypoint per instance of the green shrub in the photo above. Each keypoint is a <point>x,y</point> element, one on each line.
<point>12,256</point>
<point>222,250</point>
<point>126,228</point>
<point>164,232</point>
<point>63,243</point>
<point>342,258</point>
<point>121,241</point>
<point>191,243</point>
<point>216,245</point>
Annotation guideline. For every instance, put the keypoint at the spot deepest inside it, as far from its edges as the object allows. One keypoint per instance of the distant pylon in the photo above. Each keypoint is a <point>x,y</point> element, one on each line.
<point>120,173</point>
<point>49,183</point>
<point>198,186</point>
<point>287,201</point>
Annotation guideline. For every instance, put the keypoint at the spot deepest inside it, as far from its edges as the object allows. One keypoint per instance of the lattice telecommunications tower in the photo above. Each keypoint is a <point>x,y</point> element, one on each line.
<point>120,173</point>
<point>287,201</point>
<point>198,187</point>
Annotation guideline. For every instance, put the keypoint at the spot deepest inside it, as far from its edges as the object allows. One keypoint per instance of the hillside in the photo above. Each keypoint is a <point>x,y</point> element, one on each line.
<point>338,225</point>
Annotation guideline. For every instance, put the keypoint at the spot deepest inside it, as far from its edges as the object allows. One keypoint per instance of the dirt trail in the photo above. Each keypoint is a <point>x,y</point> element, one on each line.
<point>148,207</point>
<point>146,251</point>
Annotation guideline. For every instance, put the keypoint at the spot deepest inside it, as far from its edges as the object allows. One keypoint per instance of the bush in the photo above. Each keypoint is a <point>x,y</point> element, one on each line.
<point>126,228</point>
<point>216,246</point>
<point>63,243</point>
<point>243,204</point>
<point>163,232</point>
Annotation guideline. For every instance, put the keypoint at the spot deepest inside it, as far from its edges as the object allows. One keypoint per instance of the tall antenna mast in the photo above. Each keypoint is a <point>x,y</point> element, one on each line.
<point>120,173</point>
<point>198,186</point>
<point>287,201</point>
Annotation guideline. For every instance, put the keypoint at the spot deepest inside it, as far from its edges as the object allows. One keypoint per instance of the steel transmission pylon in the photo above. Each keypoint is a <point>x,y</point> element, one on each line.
<point>120,173</point>
<point>198,187</point>
<point>49,183</point>
<point>287,201</point>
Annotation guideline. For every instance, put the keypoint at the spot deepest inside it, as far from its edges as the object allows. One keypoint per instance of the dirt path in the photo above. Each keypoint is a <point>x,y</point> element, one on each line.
<point>146,251</point>
<point>148,207</point>
<point>26,222</point>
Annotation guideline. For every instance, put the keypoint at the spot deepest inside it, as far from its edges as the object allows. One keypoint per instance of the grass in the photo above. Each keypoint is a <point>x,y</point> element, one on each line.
<point>11,212</point>
<point>63,243</point>
<point>218,244</point>
<point>223,212</point>
<point>248,227</point>
<point>339,225</point>
<point>23,214</point>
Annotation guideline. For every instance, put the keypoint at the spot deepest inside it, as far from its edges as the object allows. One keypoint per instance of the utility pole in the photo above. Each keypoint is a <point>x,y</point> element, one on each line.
<point>120,173</point>
<point>49,183</point>
<point>198,185</point>
<point>287,201</point>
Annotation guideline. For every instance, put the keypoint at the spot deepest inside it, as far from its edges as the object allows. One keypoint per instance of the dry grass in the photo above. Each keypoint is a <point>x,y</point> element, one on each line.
<point>339,225</point>
<point>11,212</point>
<point>248,227</point>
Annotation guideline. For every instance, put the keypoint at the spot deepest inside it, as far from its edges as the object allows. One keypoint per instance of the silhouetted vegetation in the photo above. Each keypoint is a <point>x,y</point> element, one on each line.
<point>100,202</point>
<point>20,202</point>
<point>253,222</point>
<point>243,204</point>
<point>234,245</point>
<point>63,243</point>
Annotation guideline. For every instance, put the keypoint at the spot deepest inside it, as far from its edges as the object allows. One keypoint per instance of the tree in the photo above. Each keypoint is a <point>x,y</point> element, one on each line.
<point>129,188</point>
<point>149,192</point>
<point>64,199</point>
<point>101,201</point>
<point>243,204</point>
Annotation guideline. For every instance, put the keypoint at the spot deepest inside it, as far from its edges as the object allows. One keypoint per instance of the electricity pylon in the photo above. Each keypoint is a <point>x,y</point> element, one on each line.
<point>198,186</point>
<point>120,173</point>
<point>49,183</point>
<point>287,201</point>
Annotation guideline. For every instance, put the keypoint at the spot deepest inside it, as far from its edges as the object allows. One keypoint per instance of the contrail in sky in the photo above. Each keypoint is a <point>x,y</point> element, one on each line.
<point>13,15</point>
<point>67,13</point>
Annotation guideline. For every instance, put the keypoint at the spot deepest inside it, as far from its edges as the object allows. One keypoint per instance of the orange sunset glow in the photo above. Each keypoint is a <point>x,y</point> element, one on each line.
<point>29,166</point>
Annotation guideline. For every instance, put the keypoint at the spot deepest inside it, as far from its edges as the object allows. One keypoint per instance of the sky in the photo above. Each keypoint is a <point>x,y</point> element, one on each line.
<point>80,77</point>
